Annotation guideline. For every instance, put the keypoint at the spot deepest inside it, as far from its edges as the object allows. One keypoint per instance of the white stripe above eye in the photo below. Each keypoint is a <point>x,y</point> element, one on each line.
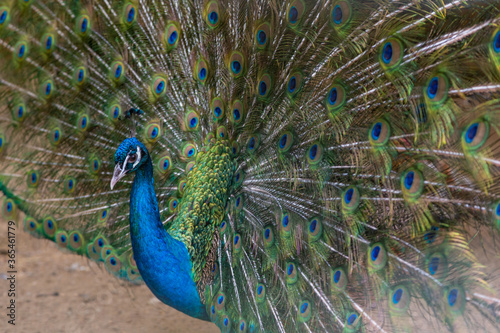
<point>138,157</point>
<point>125,162</point>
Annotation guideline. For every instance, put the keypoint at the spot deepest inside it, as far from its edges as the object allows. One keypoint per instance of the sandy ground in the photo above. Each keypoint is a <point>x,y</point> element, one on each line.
<point>62,292</point>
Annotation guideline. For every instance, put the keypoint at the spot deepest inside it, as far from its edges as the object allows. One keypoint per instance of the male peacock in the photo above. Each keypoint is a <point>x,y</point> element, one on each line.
<point>327,165</point>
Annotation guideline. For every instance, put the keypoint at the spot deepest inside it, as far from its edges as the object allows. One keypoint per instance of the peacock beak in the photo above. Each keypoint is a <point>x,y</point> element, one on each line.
<point>118,174</point>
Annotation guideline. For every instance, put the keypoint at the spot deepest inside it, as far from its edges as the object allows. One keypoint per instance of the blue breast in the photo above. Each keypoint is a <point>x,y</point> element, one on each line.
<point>163,261</point>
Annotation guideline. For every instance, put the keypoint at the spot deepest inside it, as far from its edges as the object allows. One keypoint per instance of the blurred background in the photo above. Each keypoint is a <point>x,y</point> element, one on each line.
<point>62,292</point>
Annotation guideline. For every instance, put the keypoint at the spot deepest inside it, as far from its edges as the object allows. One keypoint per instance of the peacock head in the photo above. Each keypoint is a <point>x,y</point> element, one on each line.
<point>129,157</point>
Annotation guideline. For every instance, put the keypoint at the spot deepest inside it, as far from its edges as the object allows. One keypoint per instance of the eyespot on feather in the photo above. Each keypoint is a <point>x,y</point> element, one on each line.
<point>152,132</point>
<point>48,42</point>
<point>129,14</point>
<point>253,143</point>
<point>336,98</point>
<point>212,14</point>
<point>114,112</point>
<point>133,274</point>
<point>80,76</point>
<point>238,202</point>
<point>9,209</point>
<point>226,324</point>
<point>475,135</point>
<point>189,167</point>
<point>182,185</point>
<point>189,151</point>
<point>4,16</point>
<point>412,184</point>
<point>235,148</point>
<point>238,178</point>
<point>55,136</point>
<point>295,13</point>
<point>83,122</point>
<point>217,108</point>
<point>94,164</point>
<point>436,89</point>
<point>304,311</point>
<point>83,26</point>
<point>496,213</point>
<point>260,292</point>
<point>191,120</point>
<point>291,273</point>
<point>268,236</point>
<point>113,264</point>
<point>222,133</point>
<point>201,71</point>
<point>314,154</point>
<point>314,229</point>
<point>62,239</point>
<point>455,300</point>
<point>49,227</point>
<point>286,224</point>
<point>172,35</point>
<point>103,215</point>
<point>33,179</point>
<point>47,89</point>
<point>294,85</point>
<point>263,35</point>
<point>236,64</point>
<point>117,71</point>
<point>237,112</point>
<point>351,199</point>
<point>99,243</point>
<point>399,299</point>
<point>19,111</point>
<point>353,322</point>
<point>20,52</point>
<point>209,138</point>
<point>379,133</point>
<point>264,86</point>
<point>237,243</point>
<point>285,142</point>
<point>164,164</point>
<point>494,49</point>
<point>341,14</point>
<point>391,54</point>
<point>220,301</point>
<point>377,256</point>
<point>76,241</point>
<point>69,184</point>
<point>158,86</point>
<point>3,142</point>
<point>223,227</point>
<point>31,225</point>
<point>173,205</point>
<point>106,251</point>
<point>242,326</point>
<point>339,279</point>
<point>436,265</point>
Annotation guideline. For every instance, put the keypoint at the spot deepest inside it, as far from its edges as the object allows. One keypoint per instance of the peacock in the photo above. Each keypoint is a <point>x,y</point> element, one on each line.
<point>265,165</point>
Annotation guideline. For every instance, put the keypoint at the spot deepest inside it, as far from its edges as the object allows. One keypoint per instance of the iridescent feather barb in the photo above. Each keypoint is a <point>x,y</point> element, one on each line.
<point>297,165</point>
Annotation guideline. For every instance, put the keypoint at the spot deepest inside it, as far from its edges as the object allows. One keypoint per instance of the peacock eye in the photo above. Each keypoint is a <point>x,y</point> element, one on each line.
<point>132,158</point>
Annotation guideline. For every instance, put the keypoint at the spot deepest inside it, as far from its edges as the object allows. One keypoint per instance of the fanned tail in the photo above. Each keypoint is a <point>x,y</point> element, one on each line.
<point>366,194</point>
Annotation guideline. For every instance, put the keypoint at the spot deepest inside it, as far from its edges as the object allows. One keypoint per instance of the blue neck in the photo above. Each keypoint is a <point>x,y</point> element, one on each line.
<point>163,261</point>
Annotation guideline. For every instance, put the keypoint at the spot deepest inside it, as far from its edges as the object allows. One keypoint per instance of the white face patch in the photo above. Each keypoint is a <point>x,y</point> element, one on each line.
<point>125,162</point>
<point>138,157</point>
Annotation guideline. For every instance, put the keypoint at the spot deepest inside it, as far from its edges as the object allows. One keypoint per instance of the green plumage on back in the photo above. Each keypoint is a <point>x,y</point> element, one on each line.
<point>328,165</point>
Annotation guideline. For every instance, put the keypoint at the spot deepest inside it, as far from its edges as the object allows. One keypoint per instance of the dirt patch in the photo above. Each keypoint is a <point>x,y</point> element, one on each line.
<point>62,292</point>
